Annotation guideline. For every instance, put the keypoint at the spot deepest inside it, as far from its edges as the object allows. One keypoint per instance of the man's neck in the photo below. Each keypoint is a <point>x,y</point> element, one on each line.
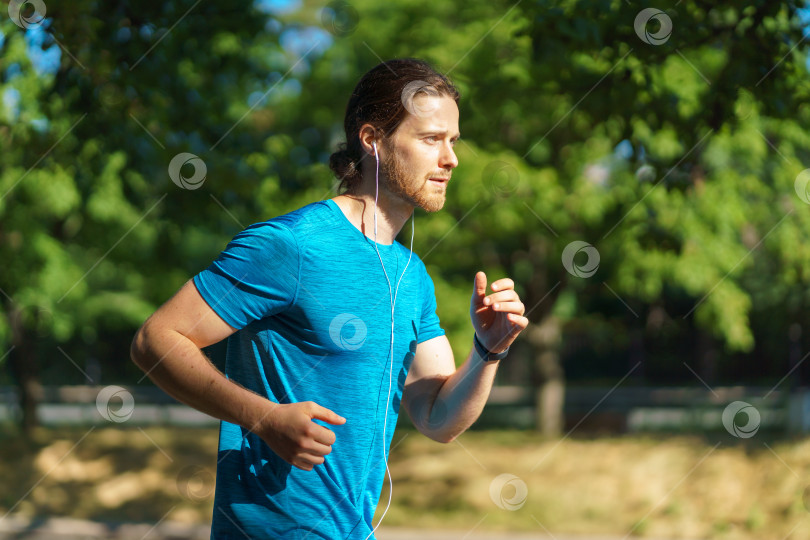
<point>392,213</point>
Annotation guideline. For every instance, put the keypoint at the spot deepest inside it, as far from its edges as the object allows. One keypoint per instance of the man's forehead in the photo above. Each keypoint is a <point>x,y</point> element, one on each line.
<point>433,113</point>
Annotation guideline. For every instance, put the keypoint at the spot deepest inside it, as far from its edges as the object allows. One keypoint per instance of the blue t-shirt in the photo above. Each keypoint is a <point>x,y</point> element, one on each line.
<point>308,294</point>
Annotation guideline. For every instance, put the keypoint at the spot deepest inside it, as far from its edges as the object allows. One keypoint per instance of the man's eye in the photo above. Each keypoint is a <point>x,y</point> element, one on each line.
<point>430,138</point>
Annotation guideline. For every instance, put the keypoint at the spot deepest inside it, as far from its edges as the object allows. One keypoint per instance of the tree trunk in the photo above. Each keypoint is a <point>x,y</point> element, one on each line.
<point>546,339</point>
<point>706,357</point>
<point>22,364</point>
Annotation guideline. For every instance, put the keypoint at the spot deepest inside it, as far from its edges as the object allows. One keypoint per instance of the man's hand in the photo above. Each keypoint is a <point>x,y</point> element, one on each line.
<point>290,432</point>
<point>497,318</point>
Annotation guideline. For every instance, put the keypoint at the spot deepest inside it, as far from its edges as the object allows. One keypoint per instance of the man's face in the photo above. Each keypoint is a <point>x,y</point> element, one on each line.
<point>418,158</point>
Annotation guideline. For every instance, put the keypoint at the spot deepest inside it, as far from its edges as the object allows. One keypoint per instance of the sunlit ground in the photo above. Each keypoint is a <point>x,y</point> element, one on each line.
<point>682,487</point>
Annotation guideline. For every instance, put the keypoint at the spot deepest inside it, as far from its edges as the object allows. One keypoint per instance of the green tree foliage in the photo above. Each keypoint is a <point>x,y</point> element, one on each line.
<point>95,234</point>
<point>676,159</point>
<point>674,154</point>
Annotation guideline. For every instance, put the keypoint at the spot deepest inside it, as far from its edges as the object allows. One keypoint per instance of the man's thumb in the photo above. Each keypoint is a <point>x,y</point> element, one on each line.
<point>480,284</point>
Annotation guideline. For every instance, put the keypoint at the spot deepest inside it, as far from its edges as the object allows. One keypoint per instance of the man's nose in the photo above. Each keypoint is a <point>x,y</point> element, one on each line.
<point>448,159</point>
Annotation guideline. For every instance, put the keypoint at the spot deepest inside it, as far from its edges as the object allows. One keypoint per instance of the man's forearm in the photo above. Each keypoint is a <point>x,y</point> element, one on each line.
<point>182,370</point>
<point>462,397</point>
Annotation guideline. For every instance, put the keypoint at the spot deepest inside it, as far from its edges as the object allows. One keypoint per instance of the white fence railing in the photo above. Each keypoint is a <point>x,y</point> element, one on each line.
<point>589,408</point>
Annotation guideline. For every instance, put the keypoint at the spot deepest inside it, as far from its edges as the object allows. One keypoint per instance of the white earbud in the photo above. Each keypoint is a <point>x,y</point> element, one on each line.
<point>393,297</point>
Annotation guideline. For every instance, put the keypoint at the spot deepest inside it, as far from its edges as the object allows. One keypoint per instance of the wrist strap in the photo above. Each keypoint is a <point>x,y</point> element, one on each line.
<point>488,356</point>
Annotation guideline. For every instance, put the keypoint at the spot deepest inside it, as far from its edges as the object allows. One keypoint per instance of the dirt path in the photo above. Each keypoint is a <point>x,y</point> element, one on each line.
<point>74,529</point>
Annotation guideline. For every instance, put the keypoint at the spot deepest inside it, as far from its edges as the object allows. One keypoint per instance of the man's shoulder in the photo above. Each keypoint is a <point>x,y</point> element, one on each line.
<point>300,219</point>
<point>296,223</point>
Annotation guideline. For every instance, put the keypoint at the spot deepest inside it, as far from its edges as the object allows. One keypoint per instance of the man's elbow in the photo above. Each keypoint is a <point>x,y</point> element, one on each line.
<point>139,348</point>
<point>445,439</point>
<point>439,435</point>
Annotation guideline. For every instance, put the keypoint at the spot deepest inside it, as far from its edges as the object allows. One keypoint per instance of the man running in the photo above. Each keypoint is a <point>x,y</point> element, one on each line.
<point>331,322</point>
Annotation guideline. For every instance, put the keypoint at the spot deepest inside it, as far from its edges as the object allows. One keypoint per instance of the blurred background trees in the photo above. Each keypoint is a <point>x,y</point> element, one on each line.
<point>638,176</point>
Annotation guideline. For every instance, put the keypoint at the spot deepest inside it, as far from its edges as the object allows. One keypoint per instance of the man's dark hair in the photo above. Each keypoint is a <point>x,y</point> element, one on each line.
<point>378,100</point>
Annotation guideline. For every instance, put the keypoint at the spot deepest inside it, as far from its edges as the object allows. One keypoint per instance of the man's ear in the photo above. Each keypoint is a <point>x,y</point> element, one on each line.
<point>368,135</point>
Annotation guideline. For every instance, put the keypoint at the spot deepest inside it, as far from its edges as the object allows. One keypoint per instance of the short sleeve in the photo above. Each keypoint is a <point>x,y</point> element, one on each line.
<point>255,277</point>
<point>429,326</point>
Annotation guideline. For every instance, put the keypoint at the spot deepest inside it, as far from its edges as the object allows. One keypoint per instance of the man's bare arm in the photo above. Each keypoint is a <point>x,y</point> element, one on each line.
<point>168,349</point>
<point>441,400</point>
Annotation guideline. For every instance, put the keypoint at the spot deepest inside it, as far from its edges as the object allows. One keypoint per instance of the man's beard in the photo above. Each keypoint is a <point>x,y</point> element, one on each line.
<point>416,192</point>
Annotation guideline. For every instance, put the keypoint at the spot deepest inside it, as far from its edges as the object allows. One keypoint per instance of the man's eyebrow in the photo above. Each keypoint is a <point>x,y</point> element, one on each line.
<point>438,132</point>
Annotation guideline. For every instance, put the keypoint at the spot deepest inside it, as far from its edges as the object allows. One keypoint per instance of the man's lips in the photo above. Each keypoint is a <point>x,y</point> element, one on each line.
<point>439,179</point>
